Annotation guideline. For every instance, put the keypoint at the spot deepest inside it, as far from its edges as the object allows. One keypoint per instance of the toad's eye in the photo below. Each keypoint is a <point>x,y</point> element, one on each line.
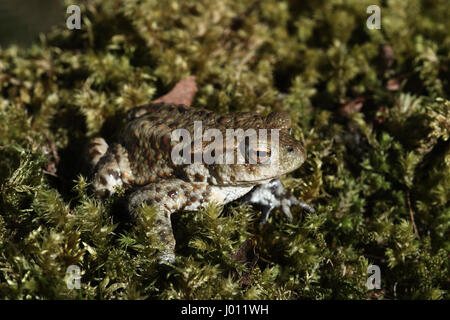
<point>255,153</point>
<point>259,155</point>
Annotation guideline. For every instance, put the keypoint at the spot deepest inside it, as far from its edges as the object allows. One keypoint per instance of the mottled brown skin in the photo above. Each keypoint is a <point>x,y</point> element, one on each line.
<point>141,160</point>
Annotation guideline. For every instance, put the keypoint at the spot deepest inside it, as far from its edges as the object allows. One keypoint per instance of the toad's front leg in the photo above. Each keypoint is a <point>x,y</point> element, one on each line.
<point>166,196</point>
<point>271,195</point>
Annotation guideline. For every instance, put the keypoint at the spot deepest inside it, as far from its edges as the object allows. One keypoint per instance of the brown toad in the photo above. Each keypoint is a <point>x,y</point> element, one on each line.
<point>143,161</point>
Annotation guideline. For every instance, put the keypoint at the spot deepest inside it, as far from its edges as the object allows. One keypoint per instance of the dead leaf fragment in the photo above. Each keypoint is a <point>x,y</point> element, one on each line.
<point>182,93</point>
<point>352,106</point>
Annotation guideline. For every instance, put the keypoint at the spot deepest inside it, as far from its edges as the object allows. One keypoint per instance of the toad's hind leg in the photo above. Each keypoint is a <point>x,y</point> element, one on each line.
<point>166,196</point>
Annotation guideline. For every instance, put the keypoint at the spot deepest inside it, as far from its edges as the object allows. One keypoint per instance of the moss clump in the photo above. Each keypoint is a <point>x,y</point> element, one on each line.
<point>371,107</point>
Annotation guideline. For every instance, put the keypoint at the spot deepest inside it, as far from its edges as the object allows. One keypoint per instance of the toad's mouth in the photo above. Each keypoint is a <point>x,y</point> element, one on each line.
<point>247,183</point>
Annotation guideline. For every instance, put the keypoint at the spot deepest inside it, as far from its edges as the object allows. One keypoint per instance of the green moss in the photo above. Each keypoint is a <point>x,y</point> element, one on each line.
<point>378,174</point>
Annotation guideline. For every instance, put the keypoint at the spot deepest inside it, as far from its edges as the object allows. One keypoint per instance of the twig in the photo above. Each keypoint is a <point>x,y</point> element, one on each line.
<point>411,214</point>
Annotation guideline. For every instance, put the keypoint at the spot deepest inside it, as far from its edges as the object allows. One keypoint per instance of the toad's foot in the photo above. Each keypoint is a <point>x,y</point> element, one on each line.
<point>272,195</point>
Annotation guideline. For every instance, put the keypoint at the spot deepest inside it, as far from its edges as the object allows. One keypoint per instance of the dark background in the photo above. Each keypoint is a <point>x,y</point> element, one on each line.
<point>21,21</point>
